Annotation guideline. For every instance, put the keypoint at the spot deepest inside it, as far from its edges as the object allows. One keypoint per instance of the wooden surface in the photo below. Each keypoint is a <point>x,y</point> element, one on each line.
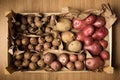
<point>55,6</point>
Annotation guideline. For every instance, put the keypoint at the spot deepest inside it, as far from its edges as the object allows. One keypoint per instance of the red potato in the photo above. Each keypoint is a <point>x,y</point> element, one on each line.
<point>94,49</point>
<point>81,57</point>
<point>100,22</point>
<point>100,33</point>
<point>94,63</point>
<point>104,43</point>
<point>56,66</point>
<point>105,55</point>
<point>88,30</point>
<point>90,19</point>
<point>63,58</point>
<point>79,65</point>
<point>88,40</point>
<point>73,57</point>
<point>78,24</point>
<point>80,36</point>
<point>70,66</point>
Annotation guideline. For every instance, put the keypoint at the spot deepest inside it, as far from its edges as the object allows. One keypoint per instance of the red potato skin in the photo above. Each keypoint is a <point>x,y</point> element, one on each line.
<point>78,24</point>
<point>80,36</point>
<point>100,22</point>
<point>88,30</point>
<point>56,66</point>
<point>73,57</point>
<point>103,43</point>
<point>81,57</point>
<point>90,19</point>
<point>105,55</point>
<point>100,33</point>
<point>94,49</point>
<point>94,63</point>
<point>88,40</point>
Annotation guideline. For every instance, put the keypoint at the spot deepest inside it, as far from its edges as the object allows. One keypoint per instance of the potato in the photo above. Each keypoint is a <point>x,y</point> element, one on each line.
<point>94,63</point>
<point>75,46</point>
<point>56,65</point>
<point>32,66</point>
<point>34,58</point>
<point>63,24</point>
<point>19,56</point>
<point>27,55</point>
<point>67,36</point>
<point>25,63</point>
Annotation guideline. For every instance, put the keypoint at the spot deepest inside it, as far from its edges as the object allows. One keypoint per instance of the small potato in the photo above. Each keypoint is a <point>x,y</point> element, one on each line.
<point>56,65</point>
<point>70,66</point>
<point>33,40</point>
<point>47,45</point>
<point>27,55</point>
<point>56,42</point>
<point>34,58</point>
<point>32,66</point>
<point>41,63</point>
<point>31,47</point>
<point>23,27</point>
<point>18,42</point>
<point>38,23</point>
<point>25,41</point>
<point>19,56</point>
<point>18,63</point>
<point>48,29</point>
<point>39,47</point>
<point>79,65</point>
<point>49,38</point>
<point>25,63</point>
<point>73,57</point>
<point>41,40</point>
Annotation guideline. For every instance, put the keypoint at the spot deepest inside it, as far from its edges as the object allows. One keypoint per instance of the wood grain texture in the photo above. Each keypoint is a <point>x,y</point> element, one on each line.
<point>55,6</point>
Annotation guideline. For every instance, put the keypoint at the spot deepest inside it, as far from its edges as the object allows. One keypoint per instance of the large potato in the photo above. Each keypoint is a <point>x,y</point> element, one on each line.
<point>75,46</point>
<point>67,36</point>
<point>63,24</point>
<point>94,63</point>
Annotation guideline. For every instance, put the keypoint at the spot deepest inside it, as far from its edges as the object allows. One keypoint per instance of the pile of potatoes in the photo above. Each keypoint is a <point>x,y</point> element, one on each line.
<point>35,34</point>
<point>34,61</point>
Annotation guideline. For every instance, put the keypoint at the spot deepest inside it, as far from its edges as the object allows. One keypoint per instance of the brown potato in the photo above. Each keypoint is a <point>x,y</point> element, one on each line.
<point>32,66</point>
<point>79,65</point>
<point>33,40</point>
<point>25,41</point>
<point>70,66</point>
<point>49,38</point>
<point>47,45</point>
<point>41,63</point>
<point>56,65</point>
<point>49,58</point>
<point>41,40</point>
<point>19,56</point>
<point>56,42</point>
<point>34,58</point>
<point>25,63</point>
<point>18,63</point>
<point>27,55</point>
